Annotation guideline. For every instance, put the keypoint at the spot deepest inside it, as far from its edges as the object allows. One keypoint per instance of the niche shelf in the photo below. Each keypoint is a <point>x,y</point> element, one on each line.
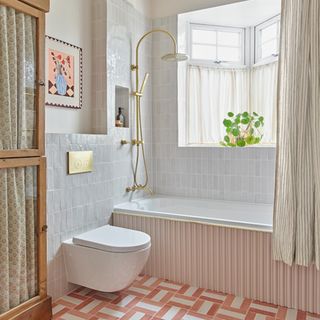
<point>122,101</point>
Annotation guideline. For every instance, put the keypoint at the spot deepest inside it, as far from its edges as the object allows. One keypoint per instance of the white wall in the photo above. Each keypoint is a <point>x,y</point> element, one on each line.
<point>165,8</point>
<point>143,6</point>
<point>70,21</point>
<point>241,14</point>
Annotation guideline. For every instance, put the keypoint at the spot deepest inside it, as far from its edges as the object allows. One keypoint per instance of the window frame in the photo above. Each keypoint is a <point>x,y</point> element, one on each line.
<point>216,28</point>
<point>249,61</point>
<point>258,60</point>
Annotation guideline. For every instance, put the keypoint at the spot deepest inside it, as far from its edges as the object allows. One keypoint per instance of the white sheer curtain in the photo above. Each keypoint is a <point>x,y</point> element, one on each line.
<point>263,95</point>
<point>213,92</point>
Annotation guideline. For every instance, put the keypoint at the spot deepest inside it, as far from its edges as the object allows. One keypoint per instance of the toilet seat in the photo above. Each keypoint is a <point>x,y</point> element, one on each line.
<point>113,239</point>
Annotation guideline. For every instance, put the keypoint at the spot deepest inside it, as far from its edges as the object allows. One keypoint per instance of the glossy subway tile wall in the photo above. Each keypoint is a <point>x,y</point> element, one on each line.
<point>99,67</point>
<point>82,202</point>
<point>216,173</point>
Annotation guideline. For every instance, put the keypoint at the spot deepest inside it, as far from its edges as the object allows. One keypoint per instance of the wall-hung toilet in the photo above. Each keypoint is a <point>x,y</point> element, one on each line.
<point>106,259</point>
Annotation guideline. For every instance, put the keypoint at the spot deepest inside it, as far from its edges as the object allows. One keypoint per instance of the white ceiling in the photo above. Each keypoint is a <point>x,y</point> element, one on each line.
<point>246,13</point>
<point>167,8</point>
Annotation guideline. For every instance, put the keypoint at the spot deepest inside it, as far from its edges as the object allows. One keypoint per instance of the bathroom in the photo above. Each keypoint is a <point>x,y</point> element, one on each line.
<point>220,241</point>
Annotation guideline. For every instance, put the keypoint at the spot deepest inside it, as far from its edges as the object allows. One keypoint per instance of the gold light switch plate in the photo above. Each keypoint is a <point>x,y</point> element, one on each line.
<point>80,162</point>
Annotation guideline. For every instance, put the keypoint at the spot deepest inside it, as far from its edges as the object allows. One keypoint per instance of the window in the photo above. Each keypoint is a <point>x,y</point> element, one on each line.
<point>219,45</point>
<point>211,93</point>
<point>267,39</point>
<point>231,70</point>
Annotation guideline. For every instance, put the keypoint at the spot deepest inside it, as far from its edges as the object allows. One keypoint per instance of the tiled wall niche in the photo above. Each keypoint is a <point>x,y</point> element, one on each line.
<point>122,97</point>
<point>82,202</point>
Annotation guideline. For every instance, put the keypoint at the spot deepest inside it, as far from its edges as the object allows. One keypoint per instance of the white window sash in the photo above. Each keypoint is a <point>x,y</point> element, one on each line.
<point>258,43</point>
<point>214,28</point>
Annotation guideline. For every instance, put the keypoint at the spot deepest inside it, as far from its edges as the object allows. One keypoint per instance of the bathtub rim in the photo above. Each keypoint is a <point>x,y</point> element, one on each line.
<point>259,227</point>
<point>167,216</point>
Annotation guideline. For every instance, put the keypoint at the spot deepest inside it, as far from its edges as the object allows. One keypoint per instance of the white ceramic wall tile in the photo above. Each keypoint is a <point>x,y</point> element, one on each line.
<point>82,202</point>
<point>99,66</point>
<point>230,174</point>
<point>74,203</point>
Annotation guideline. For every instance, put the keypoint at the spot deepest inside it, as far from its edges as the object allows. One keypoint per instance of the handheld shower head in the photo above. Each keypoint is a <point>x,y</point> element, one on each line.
<point>146,77</point>
<point>175,57</point>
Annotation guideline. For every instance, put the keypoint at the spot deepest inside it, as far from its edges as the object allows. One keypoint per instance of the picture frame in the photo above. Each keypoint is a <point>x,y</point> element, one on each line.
<point>64,74</point>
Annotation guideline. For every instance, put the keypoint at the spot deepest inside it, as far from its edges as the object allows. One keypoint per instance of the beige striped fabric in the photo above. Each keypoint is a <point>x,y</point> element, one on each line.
<point>296,236</point>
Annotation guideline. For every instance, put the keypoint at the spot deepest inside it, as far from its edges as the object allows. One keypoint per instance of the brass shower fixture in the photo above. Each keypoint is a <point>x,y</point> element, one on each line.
<point>138,94</point>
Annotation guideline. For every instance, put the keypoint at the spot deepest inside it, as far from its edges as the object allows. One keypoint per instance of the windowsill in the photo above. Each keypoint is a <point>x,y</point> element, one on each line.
<point>217,145</point>
<point>210,64</point>
<point>265,61</point>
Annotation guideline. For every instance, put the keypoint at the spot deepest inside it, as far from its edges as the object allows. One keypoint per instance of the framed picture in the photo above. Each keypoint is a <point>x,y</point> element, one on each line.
<point>63,74</point>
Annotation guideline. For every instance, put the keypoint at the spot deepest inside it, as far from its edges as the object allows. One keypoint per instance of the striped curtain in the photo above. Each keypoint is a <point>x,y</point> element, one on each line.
<point>296,236</point>
<point>18,192</point>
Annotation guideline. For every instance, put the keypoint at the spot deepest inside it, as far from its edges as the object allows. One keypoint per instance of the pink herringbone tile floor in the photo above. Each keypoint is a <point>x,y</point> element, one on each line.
<point>153,298</point>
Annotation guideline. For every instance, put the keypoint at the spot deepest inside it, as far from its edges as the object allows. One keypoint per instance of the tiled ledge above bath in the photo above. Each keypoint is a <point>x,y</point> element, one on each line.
<point>216,145</point>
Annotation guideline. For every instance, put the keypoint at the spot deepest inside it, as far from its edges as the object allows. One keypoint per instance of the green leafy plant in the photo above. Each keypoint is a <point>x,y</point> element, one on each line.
<point>242,129</point>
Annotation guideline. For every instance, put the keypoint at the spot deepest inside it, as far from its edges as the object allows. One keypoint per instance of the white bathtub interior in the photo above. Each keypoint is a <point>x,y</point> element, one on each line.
<point>229,213</point>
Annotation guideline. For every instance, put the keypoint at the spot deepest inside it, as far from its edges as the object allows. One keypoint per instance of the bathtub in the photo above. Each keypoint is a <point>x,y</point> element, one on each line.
<point>222,213</point>
<point>224,246</point>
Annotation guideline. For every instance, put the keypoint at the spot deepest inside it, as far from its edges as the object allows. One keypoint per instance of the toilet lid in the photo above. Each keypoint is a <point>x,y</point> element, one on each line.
<point>113,239</point>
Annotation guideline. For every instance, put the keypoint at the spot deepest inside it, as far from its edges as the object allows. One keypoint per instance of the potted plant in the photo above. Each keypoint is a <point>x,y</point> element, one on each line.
<point>243,129</point>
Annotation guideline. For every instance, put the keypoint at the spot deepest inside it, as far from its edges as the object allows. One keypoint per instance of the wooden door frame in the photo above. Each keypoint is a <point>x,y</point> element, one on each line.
<point>40,78</point>
<point>39,307</point>
<point>33,309</point>
<point>43,5</point>
<point>41,231</point>
<point>41,228</point>
<point>37,303</point>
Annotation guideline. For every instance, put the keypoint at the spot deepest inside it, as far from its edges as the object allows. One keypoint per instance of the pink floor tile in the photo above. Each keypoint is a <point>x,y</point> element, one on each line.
<point>182,301</point>
<point>160,295</point>
<point>191,291</point>
<point>159,299</point>
<point>171,313</point>
<point>148,307</point>
<point>206,308</point>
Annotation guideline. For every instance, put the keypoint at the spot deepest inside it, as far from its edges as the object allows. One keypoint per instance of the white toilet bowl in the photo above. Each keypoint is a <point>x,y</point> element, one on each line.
<point>106,259</point>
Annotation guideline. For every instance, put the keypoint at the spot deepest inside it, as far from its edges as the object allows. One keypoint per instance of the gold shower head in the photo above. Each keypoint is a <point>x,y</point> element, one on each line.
<point>175,57</point>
